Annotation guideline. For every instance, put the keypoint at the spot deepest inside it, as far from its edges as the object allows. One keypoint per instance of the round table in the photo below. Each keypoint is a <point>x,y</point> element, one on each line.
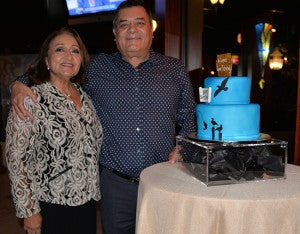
<point>171,201</point>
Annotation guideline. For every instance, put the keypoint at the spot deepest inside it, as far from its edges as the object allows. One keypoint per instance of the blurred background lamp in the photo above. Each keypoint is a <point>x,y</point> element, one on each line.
<point>276,60</point>
<point>216,1</point>
<point>154,25</point>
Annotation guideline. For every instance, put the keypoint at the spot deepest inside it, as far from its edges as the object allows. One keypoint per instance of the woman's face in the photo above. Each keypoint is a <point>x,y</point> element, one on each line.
<point>64,57</point>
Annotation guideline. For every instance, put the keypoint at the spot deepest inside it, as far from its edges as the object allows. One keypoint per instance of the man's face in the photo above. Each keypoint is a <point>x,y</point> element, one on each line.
<point>133,32</point>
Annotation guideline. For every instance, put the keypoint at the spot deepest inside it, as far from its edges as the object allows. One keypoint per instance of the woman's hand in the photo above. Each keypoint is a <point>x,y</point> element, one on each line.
<point>18,93</point>
<point>33,224</point>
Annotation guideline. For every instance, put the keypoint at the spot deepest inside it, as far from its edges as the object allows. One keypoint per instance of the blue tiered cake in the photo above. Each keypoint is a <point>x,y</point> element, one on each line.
<point>227,114</point>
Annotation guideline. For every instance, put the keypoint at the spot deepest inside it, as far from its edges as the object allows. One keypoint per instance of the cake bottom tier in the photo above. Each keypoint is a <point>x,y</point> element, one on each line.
<point>228,122</point>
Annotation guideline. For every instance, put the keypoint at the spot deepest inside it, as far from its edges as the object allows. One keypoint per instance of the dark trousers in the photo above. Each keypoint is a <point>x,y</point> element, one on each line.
<point>60,219</point>
<point>118,203</point>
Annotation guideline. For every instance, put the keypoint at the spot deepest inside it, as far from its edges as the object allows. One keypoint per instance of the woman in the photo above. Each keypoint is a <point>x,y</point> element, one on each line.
<point>53,159</point>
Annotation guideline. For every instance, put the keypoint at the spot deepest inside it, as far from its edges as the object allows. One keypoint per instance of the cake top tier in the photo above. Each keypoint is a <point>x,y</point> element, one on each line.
<point>226,90</point>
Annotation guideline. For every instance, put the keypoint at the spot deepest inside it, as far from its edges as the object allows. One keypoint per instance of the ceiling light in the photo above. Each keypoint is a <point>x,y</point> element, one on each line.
<point>216,1</point>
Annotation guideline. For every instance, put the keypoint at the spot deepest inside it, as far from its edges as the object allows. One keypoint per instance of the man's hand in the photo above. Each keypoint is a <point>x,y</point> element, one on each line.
<point>175,155</point>
<point>33,224</point>
<point>18,93</point>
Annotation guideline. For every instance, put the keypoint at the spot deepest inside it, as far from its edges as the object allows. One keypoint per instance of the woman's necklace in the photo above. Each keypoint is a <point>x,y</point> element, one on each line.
<point>63,92</point>
<point>67,94</point>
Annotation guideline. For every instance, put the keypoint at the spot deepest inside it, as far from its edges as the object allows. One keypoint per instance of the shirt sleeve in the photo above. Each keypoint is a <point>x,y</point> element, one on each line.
<point>19,156</point>
<point>186,112</point>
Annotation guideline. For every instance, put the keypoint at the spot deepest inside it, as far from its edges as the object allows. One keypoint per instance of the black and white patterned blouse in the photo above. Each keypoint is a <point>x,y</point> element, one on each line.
<point>54,158</point>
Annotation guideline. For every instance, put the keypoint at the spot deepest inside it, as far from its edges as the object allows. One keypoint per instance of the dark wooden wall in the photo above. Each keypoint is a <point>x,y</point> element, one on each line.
<point>297,134</point>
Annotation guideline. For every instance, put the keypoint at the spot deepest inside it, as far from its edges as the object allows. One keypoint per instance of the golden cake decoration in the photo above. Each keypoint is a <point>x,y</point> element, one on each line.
<point>224,64</point>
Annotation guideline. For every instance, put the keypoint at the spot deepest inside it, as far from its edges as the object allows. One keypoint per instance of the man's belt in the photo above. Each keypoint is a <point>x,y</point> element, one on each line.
<point>124,176</point>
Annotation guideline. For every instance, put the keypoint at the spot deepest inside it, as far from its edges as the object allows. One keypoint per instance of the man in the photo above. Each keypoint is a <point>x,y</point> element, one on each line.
<point>143,100</point>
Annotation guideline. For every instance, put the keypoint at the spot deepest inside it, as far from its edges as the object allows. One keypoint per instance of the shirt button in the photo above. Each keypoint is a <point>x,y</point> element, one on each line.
<point>138,129</point>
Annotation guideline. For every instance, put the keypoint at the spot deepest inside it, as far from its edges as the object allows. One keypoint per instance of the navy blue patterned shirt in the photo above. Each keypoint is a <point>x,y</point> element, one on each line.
<point>141,109</point>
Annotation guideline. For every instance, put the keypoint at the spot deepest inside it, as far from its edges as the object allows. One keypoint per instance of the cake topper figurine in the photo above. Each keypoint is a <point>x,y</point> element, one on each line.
<point>224,64</point>
<point>224,68</point>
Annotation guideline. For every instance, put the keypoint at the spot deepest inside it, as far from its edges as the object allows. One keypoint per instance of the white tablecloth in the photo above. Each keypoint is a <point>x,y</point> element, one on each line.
<point>170,201</point>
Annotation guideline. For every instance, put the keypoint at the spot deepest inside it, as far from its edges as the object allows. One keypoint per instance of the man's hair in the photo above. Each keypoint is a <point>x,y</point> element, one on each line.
<point>128,4</point>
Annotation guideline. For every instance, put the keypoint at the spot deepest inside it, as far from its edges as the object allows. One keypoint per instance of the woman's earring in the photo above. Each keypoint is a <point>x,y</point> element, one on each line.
<point>48,68</point>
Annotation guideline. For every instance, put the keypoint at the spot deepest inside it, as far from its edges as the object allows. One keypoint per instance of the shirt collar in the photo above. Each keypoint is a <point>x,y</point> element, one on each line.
<point>152,60</point>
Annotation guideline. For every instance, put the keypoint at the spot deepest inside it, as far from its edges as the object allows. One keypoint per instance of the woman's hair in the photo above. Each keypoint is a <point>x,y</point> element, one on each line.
<point>128,4</point>
<point>38,73</point>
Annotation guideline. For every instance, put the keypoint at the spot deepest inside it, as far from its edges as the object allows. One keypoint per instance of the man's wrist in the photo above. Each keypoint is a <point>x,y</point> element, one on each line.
<point>10,87</point>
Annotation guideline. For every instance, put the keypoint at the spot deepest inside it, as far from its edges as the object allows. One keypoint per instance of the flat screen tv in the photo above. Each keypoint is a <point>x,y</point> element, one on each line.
<point>90,11</point>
